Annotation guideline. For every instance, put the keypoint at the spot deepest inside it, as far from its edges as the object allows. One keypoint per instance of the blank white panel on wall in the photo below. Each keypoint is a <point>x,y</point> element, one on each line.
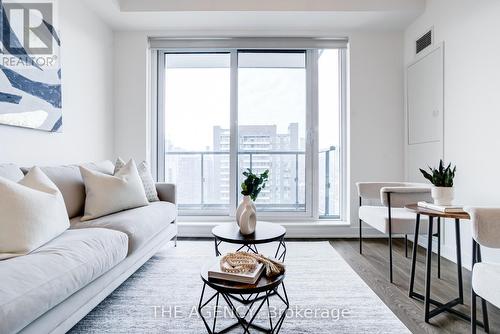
<point>425,99</point>
<point>424,113</point>
<point>421,156</point>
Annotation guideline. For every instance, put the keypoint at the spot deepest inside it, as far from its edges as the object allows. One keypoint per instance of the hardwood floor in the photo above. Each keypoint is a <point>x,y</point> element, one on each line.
<point>373,267</point>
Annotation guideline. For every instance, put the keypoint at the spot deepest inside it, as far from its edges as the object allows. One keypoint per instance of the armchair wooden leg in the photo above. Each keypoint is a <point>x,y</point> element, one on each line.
<point>390,235</point>
<point>360,229</point>
<point>390,255</point>
<point>406,245</point>
<point>483,302</point>
<point>360,237</point>
<point>486,322</point>
<point>473,321</point>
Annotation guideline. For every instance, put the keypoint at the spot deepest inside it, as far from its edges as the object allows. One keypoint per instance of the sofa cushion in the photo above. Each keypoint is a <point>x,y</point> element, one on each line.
<point>11,172</point>
<point>403,221</point>
<point>31,285</point>
<point>33,213</point>
<point>140,224</point>
<point>69,181</point>
<point>107,194</point>
<point>146,178</point>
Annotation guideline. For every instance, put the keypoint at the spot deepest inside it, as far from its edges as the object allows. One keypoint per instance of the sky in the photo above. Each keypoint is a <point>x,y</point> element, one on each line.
<point>197,99</point>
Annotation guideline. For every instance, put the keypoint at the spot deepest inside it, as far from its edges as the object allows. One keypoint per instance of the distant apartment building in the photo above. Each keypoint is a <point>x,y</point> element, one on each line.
<point>204,177</point>
<point>261,147</point>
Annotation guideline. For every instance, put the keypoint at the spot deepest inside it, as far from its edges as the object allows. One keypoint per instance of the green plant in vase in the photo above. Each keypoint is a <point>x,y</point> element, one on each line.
<point>442,179</point>
<point>250,189</point>
<point>253,184</point>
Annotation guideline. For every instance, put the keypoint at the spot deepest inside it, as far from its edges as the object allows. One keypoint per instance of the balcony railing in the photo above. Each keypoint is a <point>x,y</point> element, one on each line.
<point>285,164</point>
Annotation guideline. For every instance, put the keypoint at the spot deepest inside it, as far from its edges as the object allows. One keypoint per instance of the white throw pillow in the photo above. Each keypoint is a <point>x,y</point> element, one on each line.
<point>106,194</point>
<point>32,213</point>
<point>147,179</point>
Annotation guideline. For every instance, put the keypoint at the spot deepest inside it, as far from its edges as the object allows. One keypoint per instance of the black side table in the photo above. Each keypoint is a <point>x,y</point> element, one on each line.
<point>259,294</point>
<point>264,233</point>
<point>439,307</point>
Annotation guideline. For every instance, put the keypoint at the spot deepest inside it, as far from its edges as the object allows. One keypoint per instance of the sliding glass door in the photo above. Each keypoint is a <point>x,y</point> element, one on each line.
<point>197,116</point>
<point>227,110</point>
<point>272,125</point>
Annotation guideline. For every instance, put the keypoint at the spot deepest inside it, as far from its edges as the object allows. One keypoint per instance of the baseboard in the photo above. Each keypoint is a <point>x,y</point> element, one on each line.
<point>313,230</point>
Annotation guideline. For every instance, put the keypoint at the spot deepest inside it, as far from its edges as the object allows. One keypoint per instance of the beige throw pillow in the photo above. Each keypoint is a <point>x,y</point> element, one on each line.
<point>106,194</point>
<point>33,213</point>
<point>147,179</point>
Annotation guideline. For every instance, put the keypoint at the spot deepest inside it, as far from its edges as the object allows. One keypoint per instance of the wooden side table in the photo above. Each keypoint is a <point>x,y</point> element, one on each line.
<point>440,307</point>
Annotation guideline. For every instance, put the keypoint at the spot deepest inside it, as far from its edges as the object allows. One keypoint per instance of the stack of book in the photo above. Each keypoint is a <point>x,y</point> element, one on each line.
<point>442,208</point>
<point>247,278</point>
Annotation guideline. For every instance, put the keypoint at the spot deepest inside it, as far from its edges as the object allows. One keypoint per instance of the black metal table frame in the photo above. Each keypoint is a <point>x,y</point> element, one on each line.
<point>439,306</point>
<point>263,297</point>
<point>252,247</point>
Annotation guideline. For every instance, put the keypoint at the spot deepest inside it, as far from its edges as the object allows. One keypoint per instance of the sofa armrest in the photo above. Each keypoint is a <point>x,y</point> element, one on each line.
<point>485,225</point>
<point>167,192</point>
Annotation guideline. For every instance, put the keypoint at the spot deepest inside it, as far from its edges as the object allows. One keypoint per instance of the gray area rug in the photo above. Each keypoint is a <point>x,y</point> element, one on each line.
<point>326,295</point>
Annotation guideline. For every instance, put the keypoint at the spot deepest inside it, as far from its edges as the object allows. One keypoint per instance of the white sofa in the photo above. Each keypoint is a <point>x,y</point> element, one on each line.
<point>52,288</point>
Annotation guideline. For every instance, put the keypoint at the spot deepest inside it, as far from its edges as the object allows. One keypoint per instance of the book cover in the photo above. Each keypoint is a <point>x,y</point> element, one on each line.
<point>247,278</point>
<point>442,208</point>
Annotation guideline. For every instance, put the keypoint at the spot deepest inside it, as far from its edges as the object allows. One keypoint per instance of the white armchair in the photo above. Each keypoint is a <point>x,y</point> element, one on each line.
<point>389,215</point>
<point>485,276</point>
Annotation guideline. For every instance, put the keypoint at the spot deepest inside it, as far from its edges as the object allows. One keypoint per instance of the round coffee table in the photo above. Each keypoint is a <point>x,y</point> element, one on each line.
<point>264,233</point>
<point>252,296</point>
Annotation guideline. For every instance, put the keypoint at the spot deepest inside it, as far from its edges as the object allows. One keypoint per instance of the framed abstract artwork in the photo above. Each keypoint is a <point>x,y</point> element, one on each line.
<point>30,70</point>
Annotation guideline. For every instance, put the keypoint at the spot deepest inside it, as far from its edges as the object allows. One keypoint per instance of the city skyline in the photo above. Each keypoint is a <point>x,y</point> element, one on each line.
<point>207,184</point>
<point>271,110</point>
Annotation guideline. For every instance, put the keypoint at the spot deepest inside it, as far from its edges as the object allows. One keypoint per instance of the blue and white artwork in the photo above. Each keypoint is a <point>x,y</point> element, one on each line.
<point>30,71</point>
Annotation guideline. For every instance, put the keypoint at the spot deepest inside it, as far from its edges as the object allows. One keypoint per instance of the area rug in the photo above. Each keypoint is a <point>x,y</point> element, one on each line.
<point>326,295</point>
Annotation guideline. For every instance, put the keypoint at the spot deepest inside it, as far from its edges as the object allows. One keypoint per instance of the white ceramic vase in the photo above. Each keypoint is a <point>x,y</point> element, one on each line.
<point>248,218</point>
<point>442,195</point>
<point>241,207</point>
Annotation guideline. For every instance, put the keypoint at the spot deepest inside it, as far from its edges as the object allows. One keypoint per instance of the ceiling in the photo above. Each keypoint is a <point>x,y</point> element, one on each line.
<point>248,17</point>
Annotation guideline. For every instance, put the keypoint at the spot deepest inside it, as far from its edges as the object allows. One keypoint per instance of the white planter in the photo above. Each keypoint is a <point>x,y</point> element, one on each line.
<point>248,218</point>
<point>241,207</point>
<point>442,195</point>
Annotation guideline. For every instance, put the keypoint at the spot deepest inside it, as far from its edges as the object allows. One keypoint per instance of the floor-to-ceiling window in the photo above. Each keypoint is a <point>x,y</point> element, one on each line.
<point>329,133</point>
<point>196,132</point>
<point>223,110</point>
<point>272,108</point>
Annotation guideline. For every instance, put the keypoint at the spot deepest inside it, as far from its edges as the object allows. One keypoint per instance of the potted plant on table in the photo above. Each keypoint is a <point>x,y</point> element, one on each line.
<point>442,179</point>
<point>250,189</point>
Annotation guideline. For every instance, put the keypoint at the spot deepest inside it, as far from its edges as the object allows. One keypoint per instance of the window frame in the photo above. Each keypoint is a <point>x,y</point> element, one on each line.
<point>311,148</point>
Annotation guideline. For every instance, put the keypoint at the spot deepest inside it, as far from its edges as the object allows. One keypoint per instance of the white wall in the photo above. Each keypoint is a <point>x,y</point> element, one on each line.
<point>376,104</point>
<point>132,96</point>
<point>87,88</point>
<point>376,111</point>
<point>470,30</point>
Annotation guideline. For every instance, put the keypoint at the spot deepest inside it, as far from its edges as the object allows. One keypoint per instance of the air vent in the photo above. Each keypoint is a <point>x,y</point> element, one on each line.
<point>424,41</point>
